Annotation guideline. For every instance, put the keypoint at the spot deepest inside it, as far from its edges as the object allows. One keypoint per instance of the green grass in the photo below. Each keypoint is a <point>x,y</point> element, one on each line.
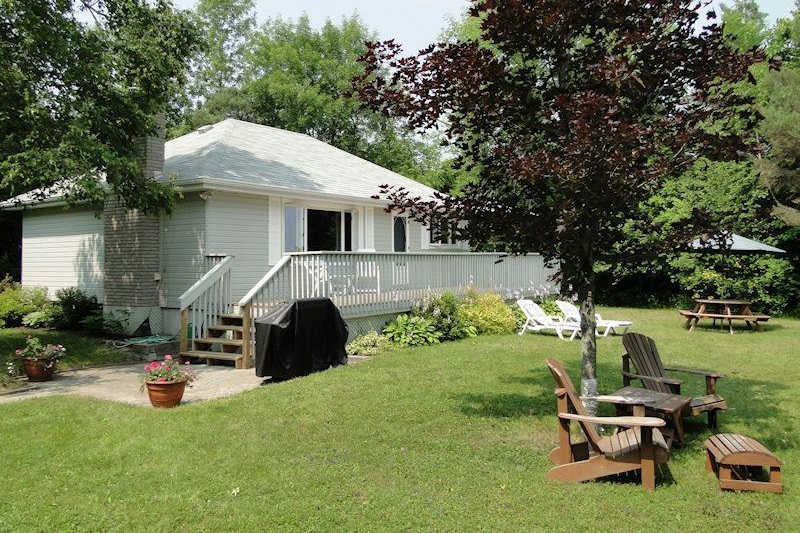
<point>450,437</point>
<point>83,350</point>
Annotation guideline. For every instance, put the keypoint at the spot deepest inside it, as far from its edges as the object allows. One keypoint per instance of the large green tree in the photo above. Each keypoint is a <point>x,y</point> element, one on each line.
<point>75,97</point>
<point>227,27</point>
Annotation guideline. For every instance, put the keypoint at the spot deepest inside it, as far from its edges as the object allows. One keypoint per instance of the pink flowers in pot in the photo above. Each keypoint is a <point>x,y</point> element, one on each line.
<point>168,371</point>
<point>47,354</point>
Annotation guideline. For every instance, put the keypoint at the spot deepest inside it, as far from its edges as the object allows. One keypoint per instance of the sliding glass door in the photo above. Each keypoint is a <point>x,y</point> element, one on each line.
<point>315,230</point>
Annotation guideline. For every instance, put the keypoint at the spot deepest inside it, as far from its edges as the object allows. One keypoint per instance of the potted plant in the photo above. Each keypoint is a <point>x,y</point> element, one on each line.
<point>39,360</point>
<point>166,380</point>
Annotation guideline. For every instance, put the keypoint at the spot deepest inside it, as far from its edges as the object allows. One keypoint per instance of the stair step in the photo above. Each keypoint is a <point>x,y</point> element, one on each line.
<point>230,315</point>
<point>212,355</point>
<point>219,340</point>
<point>225,327</point>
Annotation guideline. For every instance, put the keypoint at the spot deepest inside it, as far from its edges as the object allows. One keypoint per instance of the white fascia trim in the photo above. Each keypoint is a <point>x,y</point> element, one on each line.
<point>269,190</point>
<point>38,204</point>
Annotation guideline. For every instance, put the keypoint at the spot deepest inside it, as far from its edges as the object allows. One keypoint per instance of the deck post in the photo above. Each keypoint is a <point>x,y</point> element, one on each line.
<point>246,335</point>
<point>184,334</point>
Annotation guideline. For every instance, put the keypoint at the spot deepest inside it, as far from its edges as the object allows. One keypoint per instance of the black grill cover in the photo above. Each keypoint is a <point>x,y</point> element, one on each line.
<point>300,337</point>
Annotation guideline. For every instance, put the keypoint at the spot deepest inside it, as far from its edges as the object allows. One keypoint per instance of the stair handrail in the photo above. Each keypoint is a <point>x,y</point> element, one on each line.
<point>207,280</point>
<point>248,298</point>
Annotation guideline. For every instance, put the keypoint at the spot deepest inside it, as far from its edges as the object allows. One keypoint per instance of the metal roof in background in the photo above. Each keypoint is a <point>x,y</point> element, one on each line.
<point>734,244</point>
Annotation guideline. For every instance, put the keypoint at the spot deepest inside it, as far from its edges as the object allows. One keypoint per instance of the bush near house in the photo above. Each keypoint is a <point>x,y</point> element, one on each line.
<point>371,343</point>
<point>444,312</point>
<point>17,301</point>
<point>488,313</point>
<point>411,330</point>
<point>73,309</point>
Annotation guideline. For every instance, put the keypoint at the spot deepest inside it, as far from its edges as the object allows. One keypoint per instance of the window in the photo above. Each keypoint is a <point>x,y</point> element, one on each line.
<point>400,242</point>
<point>316,230</point>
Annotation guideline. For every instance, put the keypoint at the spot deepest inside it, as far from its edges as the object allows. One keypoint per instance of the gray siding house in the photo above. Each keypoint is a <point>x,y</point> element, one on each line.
<point>266,215</point>
<point>249,191</point>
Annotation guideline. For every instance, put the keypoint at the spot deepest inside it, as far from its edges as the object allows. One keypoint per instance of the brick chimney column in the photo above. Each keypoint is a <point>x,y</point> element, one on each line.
<point>133,249</point>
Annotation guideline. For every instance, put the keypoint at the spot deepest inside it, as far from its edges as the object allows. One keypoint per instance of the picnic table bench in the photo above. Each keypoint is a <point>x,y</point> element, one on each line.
<point>743,314</point>
<point>737,459</point>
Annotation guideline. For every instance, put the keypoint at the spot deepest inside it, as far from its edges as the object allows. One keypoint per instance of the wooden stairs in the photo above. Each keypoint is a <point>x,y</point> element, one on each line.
<point>226,337</point>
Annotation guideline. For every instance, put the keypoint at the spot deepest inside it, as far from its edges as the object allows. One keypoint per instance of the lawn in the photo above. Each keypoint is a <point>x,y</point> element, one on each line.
<point>451,437</point>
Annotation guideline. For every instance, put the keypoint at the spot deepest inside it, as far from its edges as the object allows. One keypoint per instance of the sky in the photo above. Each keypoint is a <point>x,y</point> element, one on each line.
<point>413,23</point>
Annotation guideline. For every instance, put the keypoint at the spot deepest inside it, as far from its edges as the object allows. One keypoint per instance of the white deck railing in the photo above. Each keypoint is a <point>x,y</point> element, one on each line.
<point>369,283</point>
<point>204,302</point>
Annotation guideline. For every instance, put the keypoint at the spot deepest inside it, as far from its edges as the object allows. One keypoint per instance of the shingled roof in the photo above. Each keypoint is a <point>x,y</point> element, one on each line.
<point>242,153</point>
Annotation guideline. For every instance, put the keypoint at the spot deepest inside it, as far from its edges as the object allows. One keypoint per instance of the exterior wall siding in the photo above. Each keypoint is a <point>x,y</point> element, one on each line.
<point>183,247</point>
<point>63,249</point>
<point>383,230</point>
<point>238,225</point>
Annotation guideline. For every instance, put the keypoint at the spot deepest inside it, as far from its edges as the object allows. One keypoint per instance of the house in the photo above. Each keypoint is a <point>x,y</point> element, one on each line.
<point>253,198</point>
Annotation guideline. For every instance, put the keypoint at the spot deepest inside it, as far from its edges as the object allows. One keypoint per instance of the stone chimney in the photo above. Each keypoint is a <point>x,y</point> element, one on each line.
<point>132,246</point>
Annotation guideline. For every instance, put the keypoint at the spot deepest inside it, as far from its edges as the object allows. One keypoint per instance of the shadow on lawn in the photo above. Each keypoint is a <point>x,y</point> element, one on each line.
<point>752,404</point>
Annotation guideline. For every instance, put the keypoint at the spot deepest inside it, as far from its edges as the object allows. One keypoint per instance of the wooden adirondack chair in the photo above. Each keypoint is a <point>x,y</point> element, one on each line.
<point>652,372</point>
<point>637,448</point>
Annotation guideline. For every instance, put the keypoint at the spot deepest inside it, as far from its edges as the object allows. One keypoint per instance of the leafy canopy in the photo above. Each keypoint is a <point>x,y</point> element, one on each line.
<point>298,77</point>
<point>74,97</point>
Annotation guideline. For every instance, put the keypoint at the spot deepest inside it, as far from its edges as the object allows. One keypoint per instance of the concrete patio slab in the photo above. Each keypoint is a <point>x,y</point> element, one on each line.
<point>122,384</point>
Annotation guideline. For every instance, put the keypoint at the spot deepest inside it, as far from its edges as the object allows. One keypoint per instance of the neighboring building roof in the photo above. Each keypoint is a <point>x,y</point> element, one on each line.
<point>735,244</point>
<point>243,153</point>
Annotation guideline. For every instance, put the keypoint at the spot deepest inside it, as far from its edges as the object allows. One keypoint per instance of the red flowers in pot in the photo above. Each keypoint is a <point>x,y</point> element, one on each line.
<point>166,381</point>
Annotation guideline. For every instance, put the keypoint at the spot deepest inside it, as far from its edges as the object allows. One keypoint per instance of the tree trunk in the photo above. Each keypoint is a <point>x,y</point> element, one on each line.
<point>588,353</point>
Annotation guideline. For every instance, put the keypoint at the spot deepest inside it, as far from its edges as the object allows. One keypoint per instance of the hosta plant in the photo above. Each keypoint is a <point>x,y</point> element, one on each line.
<point>408,330</point>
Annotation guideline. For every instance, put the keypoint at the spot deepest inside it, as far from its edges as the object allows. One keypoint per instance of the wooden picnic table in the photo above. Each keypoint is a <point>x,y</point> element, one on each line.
<point>722,310</point>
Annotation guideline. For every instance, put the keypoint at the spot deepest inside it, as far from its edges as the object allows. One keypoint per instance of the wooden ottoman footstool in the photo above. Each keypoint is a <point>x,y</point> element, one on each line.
<point>737,459</point>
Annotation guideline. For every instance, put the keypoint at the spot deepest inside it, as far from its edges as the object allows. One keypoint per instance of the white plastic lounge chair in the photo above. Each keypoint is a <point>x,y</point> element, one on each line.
<point>538,320</point>
<point>573,315</point>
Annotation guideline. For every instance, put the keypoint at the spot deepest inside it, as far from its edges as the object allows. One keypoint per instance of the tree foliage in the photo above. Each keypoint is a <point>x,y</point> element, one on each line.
<point>576,114</point>
<point>298,77</point>
<point>226,26</point>
<point>75,97</point>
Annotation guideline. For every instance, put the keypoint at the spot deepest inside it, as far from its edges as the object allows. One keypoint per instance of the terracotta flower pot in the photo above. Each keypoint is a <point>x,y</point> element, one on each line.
<point>167,394</point>
<point>37,370</point>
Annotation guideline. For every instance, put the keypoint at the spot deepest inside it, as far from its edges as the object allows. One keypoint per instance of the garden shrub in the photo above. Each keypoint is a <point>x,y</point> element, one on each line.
<point>371,343</point>
<point>411,330</point>
<point>45,317</point>
<point>76,306</point>
<point>488,314</point>
<point>443,311</point>
<point>108,323</point>
<point>17,301</point>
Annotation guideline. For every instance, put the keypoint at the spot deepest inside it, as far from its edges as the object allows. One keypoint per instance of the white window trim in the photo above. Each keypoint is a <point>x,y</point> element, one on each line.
<point>316,206</point>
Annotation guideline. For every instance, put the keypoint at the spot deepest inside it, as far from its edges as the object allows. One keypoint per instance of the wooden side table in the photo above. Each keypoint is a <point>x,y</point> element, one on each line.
<point>670,407</point>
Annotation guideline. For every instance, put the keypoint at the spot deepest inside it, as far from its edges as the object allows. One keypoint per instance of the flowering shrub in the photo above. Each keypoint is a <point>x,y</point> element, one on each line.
<point>443,311</point>
<point>47,354</point>
<point>168,371</point>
